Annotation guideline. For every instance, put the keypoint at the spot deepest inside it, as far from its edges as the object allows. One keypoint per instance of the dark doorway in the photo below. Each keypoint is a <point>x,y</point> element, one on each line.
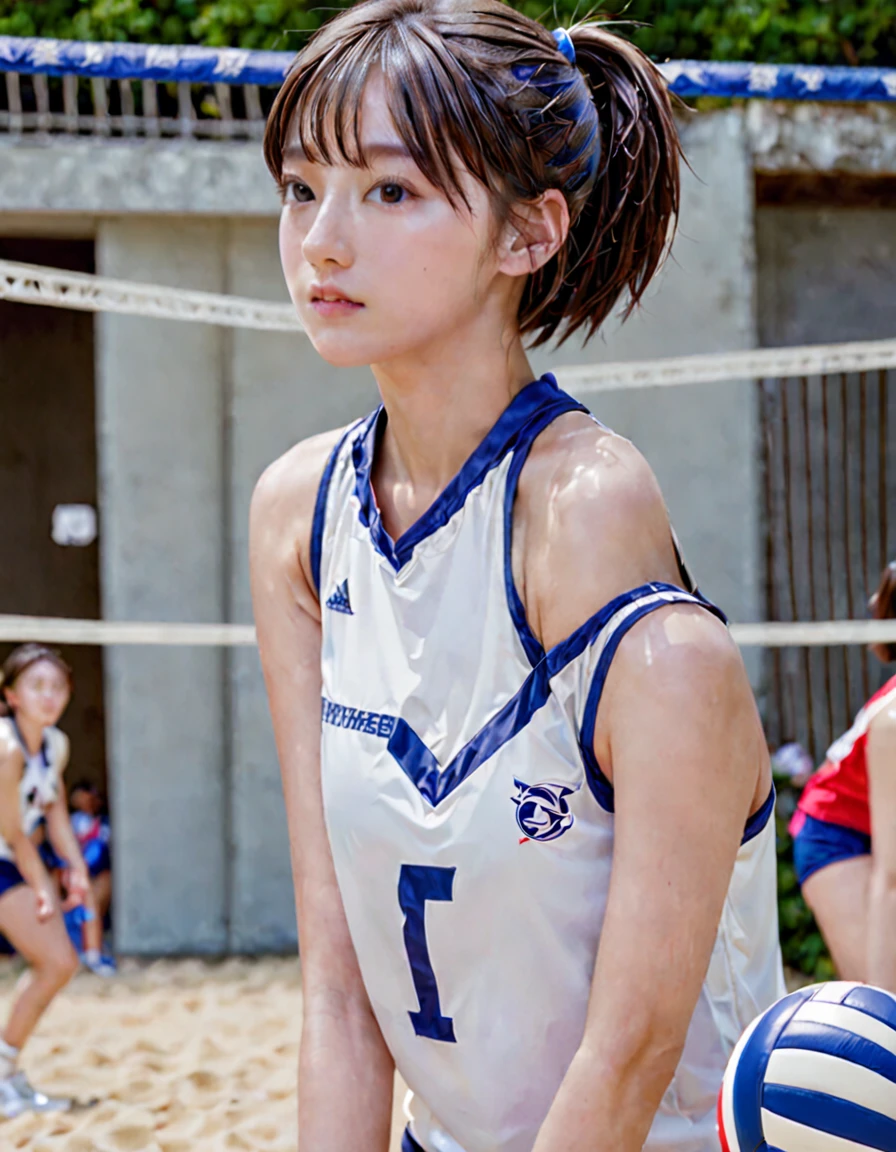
<point>826,272</point>
<point>48,459</point>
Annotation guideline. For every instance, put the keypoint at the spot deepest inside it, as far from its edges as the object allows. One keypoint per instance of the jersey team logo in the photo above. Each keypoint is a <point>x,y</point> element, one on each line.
<point>339,600</point>
<point>542,812</point>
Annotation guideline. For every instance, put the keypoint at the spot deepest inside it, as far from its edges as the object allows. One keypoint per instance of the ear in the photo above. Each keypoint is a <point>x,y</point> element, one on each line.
<point>535,233</point>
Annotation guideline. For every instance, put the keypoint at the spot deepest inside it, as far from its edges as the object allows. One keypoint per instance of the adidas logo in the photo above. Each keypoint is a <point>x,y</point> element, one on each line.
<point>339,600</point>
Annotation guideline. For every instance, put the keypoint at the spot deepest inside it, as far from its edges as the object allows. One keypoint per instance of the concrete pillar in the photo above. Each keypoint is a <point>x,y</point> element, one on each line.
<point>280,392</point>
<point>159,391</point>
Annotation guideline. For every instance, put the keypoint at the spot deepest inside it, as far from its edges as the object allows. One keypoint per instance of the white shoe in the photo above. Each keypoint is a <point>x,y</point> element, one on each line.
<point>103,966</point>
<point>18,1096</point>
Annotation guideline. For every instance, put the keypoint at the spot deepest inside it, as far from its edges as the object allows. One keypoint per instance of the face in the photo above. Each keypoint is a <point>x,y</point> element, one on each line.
<point>84,801</point>
<point>41,693</point>
<point>378,262</point>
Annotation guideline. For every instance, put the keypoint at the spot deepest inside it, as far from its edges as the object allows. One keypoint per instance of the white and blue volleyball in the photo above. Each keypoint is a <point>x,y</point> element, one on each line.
<point>814,1073</point>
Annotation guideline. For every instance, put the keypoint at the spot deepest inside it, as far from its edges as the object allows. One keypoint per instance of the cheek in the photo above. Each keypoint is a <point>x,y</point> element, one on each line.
<point>290,242</point>
<point>435,267</point>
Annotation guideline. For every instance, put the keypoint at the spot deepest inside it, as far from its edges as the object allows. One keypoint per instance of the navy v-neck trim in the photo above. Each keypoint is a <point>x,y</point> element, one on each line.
<point>43,753</point>
<point>502,437</point>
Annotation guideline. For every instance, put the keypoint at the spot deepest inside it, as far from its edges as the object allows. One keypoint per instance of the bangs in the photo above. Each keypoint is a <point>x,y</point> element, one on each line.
<point>441,112</point>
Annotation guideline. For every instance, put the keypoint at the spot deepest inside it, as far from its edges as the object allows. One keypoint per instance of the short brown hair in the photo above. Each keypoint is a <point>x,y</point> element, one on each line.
<point>477,82</point>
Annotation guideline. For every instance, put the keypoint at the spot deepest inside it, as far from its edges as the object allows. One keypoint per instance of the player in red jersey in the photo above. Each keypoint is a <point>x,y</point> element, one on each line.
<point>845,830</point>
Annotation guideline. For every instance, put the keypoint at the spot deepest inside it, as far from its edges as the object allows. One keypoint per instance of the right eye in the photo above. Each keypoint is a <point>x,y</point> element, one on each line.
<point>295,192</point>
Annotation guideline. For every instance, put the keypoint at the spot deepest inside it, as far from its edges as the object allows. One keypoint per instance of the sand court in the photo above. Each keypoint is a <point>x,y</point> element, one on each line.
<point>181,1055</point>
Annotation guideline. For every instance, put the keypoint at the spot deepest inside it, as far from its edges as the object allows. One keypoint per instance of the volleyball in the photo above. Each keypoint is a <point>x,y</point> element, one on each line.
<point>816,1072</point>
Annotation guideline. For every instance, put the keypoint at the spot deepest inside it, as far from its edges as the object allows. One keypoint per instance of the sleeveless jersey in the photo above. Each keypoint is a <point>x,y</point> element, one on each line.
<point>470,825</point>
<point>838,792</point>
<point>39,785</point>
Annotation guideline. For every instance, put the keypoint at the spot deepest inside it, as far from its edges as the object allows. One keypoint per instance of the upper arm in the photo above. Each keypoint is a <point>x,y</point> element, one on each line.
<point>61,750</point>
<point>287,619</point>
<point>682,738</point>
<point>11,765</point>
<point>882,789</point>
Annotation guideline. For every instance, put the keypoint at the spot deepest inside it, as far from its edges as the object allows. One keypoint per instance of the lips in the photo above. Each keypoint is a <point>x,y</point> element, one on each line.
<point>327,294</point>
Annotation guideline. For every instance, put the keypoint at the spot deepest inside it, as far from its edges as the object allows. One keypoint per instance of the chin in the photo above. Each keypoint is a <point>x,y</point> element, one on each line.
<point>343,351</point>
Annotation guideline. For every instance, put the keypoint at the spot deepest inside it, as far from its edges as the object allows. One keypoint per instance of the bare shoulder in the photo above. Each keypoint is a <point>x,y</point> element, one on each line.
<point>883,723</point>
<point>11,758</point>
<point>282,508</point>
<point>590,523</point>
<point>60,747</point>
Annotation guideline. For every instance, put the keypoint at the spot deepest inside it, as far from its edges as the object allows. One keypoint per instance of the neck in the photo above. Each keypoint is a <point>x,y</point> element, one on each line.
<point>32,733</point>
<point>441,401</point>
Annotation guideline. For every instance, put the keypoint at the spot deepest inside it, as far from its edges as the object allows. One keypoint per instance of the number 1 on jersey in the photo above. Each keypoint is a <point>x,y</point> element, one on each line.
<point>418,883</point>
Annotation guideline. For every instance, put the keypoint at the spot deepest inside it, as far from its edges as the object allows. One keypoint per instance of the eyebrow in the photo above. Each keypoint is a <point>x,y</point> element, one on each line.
<point>375,151</point>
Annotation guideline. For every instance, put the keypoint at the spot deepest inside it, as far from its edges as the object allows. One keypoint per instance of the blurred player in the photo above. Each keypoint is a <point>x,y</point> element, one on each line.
<point>530,819</point>
<point>845,830</point>
<point>35,687</point>
<point>91,826</point>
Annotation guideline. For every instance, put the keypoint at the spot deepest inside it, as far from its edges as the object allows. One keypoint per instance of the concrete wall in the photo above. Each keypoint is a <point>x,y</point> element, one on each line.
<point>280,392</point>
<point>160,451</point>
<point>189,417</point>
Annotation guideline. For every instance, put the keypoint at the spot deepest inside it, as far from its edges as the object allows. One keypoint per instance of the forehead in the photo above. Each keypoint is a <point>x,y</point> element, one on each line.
<point>376,128</point>
<point>42,670</point>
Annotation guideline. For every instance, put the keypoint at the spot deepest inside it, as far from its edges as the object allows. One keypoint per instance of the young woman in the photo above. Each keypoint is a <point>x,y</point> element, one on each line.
<point>527,788</point>
<point>844,830</point>
<point>35,687</point>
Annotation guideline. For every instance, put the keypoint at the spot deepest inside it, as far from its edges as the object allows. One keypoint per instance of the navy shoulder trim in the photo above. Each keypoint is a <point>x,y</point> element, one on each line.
<point>541,420</point>
<point>760,817</point>
<point>320,506</point>
<point>600,786</point>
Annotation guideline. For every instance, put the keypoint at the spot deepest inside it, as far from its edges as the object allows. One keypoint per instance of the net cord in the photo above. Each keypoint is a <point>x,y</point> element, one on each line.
<point>195,64</point>
<point>106,633</point>
<point>53,287</point>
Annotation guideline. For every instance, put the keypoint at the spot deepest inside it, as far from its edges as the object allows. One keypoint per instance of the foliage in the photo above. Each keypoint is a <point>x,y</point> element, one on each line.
<point>777,31</point>
<point>801,942</point>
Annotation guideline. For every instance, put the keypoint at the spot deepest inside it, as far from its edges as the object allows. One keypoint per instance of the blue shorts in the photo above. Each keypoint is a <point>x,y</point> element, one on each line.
<point>408,1143</point>
<point>47,853</point>
<point>819,843</point>
<point>96,857</point>
<point>10,876</point>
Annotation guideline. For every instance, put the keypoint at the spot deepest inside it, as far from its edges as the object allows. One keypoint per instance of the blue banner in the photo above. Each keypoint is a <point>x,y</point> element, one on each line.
<point>167,62</point>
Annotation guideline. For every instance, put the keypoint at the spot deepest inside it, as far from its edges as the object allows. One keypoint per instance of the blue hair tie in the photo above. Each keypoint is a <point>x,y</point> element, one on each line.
<point>565,44</point>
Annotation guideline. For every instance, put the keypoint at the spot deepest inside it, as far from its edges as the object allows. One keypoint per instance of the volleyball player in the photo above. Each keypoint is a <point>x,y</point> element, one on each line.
<point>844,830</point>
<point>527,788</point>
<point>35,687</point>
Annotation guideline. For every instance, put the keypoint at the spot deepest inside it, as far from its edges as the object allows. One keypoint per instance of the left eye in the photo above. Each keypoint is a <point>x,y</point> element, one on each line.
<point>391,193</point>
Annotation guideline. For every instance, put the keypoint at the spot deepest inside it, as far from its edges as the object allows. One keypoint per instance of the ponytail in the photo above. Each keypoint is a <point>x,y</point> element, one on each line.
<point>883,607</point>
<point>621,233</point>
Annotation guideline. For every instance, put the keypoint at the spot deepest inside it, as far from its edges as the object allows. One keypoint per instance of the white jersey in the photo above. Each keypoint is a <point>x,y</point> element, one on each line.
<point>39,785</point>
<point>470,826</point>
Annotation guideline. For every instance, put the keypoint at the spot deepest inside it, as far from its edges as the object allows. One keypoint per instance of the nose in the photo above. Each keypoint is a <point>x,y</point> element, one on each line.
<point>328,241</point>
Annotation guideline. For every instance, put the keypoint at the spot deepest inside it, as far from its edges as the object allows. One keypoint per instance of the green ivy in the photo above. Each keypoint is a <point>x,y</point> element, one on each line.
<point>775,31</point>
<point>801,942</point>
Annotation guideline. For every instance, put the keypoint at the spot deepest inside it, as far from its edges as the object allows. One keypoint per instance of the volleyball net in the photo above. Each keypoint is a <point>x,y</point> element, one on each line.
<point>61,87</point>
<point>37,285</point>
